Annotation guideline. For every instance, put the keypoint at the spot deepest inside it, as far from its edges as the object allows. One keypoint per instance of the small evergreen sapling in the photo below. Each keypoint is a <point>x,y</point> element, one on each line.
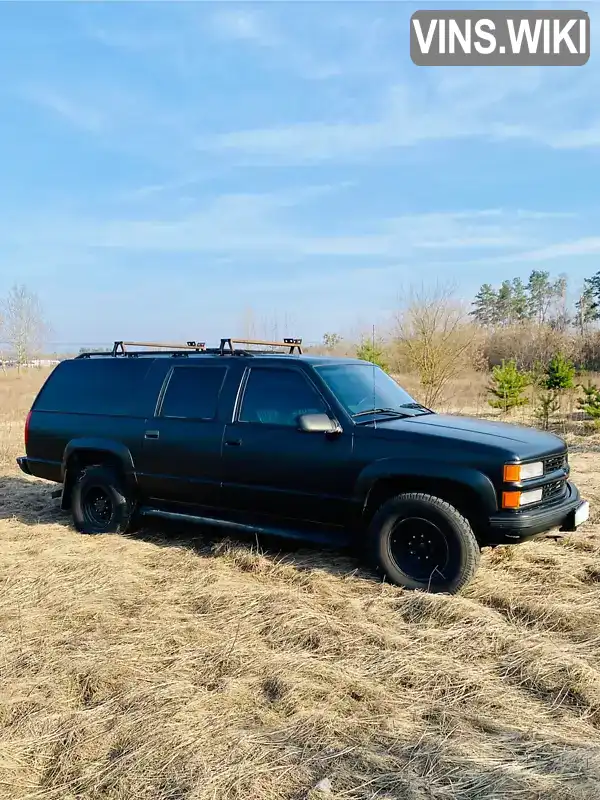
<point>548,404</point>
<point>590,402</point>
<point>554,380</point>
<point>508,386</point>
<point>560,374</point>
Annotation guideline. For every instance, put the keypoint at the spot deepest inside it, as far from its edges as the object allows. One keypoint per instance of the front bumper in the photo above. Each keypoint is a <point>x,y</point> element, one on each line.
<point>512,527</point>
<point>24,465</point>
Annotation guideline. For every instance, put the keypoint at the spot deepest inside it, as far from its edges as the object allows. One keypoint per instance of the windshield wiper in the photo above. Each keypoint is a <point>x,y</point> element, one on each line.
<point>418,407</point>
<point>393,411</point>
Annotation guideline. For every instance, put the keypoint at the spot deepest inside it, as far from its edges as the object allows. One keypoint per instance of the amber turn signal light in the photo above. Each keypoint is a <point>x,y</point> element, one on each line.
<point>512,473</point>
<point>511,499</point>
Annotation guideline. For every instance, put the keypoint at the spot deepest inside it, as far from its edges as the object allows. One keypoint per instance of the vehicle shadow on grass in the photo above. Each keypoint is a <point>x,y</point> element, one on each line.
<point>30,502</point>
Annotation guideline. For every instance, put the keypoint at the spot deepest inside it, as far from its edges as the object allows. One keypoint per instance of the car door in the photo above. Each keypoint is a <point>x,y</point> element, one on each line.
<point>270,466</point>
<point>181,450</point>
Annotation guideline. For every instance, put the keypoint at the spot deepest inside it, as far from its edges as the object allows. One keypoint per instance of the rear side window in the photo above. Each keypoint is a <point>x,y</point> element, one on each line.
<point>107,386</point>
<point>193,392</point>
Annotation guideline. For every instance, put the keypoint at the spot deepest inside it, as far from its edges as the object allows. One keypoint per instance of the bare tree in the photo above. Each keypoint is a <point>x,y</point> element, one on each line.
<point>268,326</point>
<point>248,326</point>
<point>24,325</point>
<point>2,341</point>
<point>435,339</point>
<point>331,341</point>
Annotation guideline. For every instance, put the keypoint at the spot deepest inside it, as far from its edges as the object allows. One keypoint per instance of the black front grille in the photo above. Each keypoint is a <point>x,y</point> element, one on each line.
<point>552,489</point>
<point>553,463</point>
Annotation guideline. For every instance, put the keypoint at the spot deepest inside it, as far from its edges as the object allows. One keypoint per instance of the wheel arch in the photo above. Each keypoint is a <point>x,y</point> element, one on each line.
<point>469,491</point>
<point>81,453</point>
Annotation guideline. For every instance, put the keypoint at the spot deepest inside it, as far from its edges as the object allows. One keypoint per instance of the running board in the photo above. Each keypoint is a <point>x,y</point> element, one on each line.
<point>286,533</point>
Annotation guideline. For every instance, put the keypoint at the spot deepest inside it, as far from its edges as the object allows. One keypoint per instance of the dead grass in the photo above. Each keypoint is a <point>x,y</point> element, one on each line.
<point>170,666</point>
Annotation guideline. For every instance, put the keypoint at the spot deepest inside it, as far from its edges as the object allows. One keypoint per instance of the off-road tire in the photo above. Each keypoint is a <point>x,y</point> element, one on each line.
<point>406,523</point>
<point>100,502</point>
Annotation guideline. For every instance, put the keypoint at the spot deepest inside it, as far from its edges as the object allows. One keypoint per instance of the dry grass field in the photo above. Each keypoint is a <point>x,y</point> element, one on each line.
<point>171,666</point>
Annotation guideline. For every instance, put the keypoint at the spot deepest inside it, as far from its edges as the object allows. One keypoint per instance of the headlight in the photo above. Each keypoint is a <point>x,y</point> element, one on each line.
<point>520,499</point>
<point>533,496</point>
<point>515,473</point>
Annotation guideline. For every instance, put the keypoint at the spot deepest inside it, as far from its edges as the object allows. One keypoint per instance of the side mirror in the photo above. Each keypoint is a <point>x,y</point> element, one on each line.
<point>318,423</point>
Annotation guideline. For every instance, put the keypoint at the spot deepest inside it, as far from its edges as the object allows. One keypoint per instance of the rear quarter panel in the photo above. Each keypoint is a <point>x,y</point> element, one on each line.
<point>59,417</point>
<point>51,432</point>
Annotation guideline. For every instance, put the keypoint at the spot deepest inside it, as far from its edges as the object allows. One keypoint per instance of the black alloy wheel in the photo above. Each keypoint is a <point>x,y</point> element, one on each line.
<point>420,541</point>
<point>420,549</point>
<point>97,506</point>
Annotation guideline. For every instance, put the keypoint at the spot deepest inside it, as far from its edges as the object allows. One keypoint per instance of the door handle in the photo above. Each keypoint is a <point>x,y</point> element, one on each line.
<point>151,435</point>
<point>233,442</point>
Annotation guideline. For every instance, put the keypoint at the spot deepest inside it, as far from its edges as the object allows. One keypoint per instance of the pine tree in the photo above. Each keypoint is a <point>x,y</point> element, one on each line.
<point>505,303</point>
<point>485,306</point>
<point>590,402</point>
<point>540,292</point>
<point>594,284</point>
<point>560,318</point>
<point>520,301</point>
<point>508,385</point>
<point>560,374</point>
<point>548,404</point>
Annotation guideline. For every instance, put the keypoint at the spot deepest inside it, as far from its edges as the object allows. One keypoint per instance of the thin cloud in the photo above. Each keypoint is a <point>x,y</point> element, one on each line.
<point>586,246</point>
<point>289,52</point>
<point>134,41</point>
<point>245,25</point>
<point>578,139</point>
<point>80,115</point>
<point>261,225</point>
<point>528,106</point>
<point>582,247</point>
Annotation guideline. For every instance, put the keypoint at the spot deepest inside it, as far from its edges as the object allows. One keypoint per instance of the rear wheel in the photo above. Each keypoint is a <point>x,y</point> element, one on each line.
<point>100,501</point>
<point>419,541</point>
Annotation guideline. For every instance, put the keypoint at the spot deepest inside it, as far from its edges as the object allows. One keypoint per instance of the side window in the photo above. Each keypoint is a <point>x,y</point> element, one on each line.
<point>279,397</point>
<point>106,386</point>
<point>193,392</point>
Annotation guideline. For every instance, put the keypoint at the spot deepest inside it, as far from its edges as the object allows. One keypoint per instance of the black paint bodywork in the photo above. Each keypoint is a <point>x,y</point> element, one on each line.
<point>301,483</point>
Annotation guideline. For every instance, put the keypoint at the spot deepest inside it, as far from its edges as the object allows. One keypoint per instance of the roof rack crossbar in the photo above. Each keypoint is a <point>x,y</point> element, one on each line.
<point>293,344</point>
<point>120,347</point>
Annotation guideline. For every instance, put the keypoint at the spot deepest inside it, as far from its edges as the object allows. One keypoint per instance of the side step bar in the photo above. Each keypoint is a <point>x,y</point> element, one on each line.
<point>286,533</point>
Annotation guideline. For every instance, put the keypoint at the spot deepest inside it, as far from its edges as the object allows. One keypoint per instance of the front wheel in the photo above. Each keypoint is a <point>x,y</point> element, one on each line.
<point>419,541</point>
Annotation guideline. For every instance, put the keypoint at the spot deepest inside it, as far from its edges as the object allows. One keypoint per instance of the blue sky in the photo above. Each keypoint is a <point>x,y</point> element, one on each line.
<point>167,166</point>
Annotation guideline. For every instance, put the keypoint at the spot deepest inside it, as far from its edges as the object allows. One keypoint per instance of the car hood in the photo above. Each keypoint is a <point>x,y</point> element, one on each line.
<point>525,442</point>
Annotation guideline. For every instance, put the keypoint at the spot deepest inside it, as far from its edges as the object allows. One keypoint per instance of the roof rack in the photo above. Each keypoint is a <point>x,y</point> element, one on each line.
<point>119,347</point>
<point>292,344</point>
<point>226,347</point>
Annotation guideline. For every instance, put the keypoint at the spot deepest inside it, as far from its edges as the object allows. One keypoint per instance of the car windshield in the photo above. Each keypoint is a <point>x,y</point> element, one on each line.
<point>361,388</point>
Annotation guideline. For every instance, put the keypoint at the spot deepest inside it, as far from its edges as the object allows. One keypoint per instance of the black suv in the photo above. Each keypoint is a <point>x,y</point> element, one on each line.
<point>324,449</point>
